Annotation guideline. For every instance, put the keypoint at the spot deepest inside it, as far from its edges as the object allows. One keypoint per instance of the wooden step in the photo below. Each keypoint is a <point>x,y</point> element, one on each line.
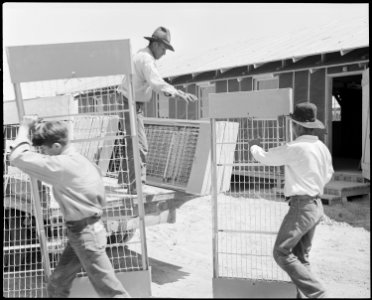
<point>331,199</point>
<point>346,188</point>
<point>348,176</point>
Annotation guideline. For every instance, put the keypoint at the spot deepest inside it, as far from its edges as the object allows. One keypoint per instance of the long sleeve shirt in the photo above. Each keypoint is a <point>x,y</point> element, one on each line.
<point>146,78</point>
<point>77,183</point>
<point>307,162</point>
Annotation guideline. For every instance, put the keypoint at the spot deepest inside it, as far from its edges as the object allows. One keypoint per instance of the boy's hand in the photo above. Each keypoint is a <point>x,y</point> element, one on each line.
<point>30,120</point>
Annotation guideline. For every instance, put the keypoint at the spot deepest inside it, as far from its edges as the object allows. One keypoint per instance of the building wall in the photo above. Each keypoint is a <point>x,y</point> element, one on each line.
<point>307,77</point>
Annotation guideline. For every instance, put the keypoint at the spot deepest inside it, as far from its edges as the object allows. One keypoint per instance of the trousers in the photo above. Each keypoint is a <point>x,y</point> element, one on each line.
<point>126,172</point>
<point>294,241</point>
<point>86,247</point>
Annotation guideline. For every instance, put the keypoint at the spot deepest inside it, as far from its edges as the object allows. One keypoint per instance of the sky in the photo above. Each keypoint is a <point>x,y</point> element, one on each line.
<point>193,26</point>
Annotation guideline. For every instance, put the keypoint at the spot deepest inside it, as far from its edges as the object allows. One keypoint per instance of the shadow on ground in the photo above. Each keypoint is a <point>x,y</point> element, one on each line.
<point>162,272</point>
<point>355,212</point>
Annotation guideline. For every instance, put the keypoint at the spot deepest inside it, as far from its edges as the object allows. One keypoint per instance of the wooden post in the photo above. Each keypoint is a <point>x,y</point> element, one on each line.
<point>38,213</point>
<point>214,198</point>
<point>137,169</point>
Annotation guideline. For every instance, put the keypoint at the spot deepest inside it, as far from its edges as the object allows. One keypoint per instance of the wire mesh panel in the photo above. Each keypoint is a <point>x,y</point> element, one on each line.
<point>171,152</point>
<point>98,130</point>
<point>22,268</point>
<point>250,213</point>
<point>179,154</point>
<point>247,217</point>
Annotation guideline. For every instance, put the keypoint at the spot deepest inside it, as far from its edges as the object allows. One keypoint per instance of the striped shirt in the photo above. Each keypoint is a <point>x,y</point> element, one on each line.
<point>307,161</point>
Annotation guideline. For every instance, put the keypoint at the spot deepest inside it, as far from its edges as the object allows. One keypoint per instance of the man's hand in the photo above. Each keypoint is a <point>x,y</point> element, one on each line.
<point>186,96</point>
<point>256,142</point>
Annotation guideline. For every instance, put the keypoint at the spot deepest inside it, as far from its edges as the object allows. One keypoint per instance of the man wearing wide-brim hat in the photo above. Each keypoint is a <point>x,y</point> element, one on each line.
<point>308,168</point>
<point>146,80</point>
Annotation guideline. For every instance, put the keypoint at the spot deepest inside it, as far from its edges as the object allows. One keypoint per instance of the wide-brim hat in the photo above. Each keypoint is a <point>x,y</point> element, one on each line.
<point>305,114</point>
<point>161,34</point>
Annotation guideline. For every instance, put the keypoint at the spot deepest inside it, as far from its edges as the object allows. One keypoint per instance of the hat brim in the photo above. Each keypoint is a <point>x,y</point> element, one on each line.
<point>316,124</point>
<point>166,44</point>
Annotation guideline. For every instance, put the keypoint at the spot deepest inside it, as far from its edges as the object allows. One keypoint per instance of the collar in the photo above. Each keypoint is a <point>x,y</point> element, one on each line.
<point>147,50</point>
<point>307,137</point>
<point>69,149</point>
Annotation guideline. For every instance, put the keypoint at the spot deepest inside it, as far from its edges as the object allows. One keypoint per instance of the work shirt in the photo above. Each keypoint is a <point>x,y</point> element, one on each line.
<point>307,161</point>
<point>77,183</point>
<point>146,78</point>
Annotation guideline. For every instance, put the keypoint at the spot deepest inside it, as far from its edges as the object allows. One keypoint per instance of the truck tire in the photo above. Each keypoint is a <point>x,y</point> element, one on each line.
<point>17,234</point>
<point>121,237</point>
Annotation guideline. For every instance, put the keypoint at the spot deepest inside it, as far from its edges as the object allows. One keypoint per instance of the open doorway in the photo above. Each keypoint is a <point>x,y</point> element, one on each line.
<point>347,122</point>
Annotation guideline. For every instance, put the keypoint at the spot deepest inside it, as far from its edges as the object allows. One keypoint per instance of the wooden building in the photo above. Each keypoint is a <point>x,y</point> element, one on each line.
<point>324,65</point>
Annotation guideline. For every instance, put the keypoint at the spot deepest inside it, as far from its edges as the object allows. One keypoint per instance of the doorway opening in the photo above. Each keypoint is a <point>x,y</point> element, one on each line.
<point>347,122</point>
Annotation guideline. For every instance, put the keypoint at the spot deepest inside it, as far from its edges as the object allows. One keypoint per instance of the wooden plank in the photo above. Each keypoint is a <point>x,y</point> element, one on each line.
<point>94,131</point>
<point>200,181</point>
<point>250,288</point>
<point>106,148</point>
<point>174,122</point>
<point>259,104</point>
<point>84,132</point>
<point>225,154</point>
<point>78,132</point>
<point>221,136</point>
<point>43,107</point>
<point>365,161</point>
<point>137,283</point>
<point>69,60</point>
<point>200,178</point>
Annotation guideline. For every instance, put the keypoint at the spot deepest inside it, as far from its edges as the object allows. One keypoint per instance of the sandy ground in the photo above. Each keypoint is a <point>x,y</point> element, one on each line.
<point>180,255</point>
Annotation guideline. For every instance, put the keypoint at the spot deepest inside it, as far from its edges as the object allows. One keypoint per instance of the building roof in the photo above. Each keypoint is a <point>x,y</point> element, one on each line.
<point>337,35</point>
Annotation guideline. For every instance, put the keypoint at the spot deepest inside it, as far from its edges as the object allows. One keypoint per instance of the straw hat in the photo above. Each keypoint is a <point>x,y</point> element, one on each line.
<point>161,34</point>
<point>305,115</point>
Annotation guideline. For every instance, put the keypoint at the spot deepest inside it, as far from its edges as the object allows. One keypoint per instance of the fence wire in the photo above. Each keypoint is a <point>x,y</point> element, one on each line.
<point>171,153</point>
<point>97,133</point>
<point>248,216</point>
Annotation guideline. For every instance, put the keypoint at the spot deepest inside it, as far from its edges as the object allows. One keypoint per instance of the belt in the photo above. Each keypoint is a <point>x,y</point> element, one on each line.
<point>301,197</point>
<point>78,226</point>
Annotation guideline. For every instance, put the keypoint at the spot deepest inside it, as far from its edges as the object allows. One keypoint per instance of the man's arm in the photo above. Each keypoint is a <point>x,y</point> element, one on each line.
<point>158,84</point>
<point>274,157</point>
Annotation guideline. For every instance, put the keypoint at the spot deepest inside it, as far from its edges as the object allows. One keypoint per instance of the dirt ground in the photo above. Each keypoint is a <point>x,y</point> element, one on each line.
<point>180,254</point>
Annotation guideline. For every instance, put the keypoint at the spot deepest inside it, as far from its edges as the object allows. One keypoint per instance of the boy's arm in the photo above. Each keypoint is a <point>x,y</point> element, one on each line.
<point>32,163</point>
<point>22,142</point>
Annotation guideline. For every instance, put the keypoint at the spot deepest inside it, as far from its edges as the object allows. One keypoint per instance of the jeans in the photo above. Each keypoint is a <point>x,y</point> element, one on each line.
<point>86,249</point>
<point>293,244</point>
<point>127,161</point>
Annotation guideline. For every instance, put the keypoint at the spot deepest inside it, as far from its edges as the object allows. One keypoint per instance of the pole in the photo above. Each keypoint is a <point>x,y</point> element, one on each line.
<point>38,212</point>
<point>137,171</point>
<point>214,198</point>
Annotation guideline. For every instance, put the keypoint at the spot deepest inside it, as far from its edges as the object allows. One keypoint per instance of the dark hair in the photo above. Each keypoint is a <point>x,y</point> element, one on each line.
<point>49,133</point>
